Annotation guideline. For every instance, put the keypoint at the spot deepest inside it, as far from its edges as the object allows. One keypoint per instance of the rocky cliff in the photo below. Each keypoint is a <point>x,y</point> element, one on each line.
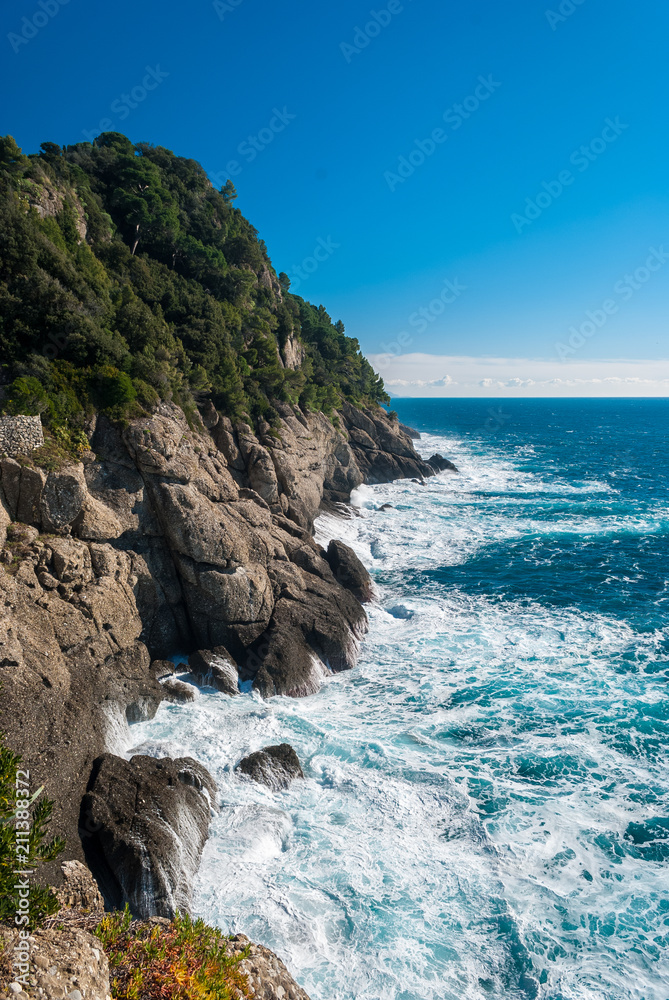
<point>173,537</point>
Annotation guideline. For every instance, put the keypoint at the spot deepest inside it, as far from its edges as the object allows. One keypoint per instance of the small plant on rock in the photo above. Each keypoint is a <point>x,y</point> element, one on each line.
<point>181,960</point>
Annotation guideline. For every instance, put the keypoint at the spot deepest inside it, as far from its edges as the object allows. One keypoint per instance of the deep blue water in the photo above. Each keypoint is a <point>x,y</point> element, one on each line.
<point>486,810</point>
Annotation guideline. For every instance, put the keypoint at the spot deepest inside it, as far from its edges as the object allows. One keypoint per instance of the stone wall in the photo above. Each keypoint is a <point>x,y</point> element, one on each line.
<point>20,435</point>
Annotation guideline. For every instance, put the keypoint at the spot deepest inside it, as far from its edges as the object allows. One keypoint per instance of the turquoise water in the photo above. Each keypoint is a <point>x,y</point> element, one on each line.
<point>486,810</point>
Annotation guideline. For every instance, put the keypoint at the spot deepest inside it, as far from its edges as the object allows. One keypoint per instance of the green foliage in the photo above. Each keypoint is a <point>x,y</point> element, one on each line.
<point>113,388</point>
<point>170,296</point>
<point>42,901</point>
<point>183,960</point>
<point>27,395</point>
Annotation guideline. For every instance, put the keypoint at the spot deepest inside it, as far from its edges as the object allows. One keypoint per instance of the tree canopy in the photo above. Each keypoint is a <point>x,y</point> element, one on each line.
<point>127,278</point>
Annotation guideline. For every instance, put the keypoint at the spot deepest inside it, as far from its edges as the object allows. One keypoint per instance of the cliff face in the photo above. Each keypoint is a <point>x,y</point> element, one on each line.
<point>170,539</point>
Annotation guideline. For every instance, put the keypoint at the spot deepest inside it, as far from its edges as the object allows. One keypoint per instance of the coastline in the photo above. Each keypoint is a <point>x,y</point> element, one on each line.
<point>170,536</point>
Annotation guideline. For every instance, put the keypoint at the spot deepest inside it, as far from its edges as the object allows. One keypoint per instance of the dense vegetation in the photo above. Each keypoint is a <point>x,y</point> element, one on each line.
<point>126,278</point>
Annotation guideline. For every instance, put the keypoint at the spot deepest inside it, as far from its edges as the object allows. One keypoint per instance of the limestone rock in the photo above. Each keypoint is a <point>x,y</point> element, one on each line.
<point>274,766</point>
<point>151,819</point>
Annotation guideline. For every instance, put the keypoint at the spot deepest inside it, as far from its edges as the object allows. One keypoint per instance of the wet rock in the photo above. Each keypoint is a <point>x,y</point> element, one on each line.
<point>386,506</point>
<point>151,820</point>
<point>162,669</point>
<point>176,690</point>
<point>349,571</point>
<point>441,464</point>
<point>275,766</point>
<point>215,668</point>
<point>282,663</point>
<point>399,611</point>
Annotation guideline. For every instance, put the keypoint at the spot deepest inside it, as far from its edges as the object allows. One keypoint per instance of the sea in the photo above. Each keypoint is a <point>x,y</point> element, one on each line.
<point>485,814</point>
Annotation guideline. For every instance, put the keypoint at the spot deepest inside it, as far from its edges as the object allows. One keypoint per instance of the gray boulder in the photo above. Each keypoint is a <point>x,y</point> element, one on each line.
<point>62,497</point>
<point>441,464</point>
<point>176,690</point>
<point>215,668</point>
<point>147,821</point>
<point>275,766</point>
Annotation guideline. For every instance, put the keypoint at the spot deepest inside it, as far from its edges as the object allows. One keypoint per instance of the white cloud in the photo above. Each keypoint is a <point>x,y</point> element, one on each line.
<point>410,375</point>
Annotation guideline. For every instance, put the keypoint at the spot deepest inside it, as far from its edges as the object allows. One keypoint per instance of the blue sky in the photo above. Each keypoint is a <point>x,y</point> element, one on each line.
<point>540,196</point>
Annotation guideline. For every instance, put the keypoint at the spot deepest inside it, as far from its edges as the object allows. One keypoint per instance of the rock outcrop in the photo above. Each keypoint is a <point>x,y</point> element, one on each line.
<point>149,820</point>
<point>215,668</point>
<point>349,571</point>
<point>79,890</point>
<point>267,976</point>
<point>383,450</point>
<point>440,464</point>
<point>275,767</point>
<point>65,962</point>
<point>174,536</point>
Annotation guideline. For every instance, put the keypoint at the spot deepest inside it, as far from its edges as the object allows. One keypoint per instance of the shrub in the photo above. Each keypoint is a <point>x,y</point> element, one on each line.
<point>113,388</point>
<point>26,395</point>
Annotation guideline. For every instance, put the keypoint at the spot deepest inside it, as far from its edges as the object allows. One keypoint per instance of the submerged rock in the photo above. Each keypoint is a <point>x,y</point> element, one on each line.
<point>275,766</point>
<point>148,821</point>
<point>349,571</point>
